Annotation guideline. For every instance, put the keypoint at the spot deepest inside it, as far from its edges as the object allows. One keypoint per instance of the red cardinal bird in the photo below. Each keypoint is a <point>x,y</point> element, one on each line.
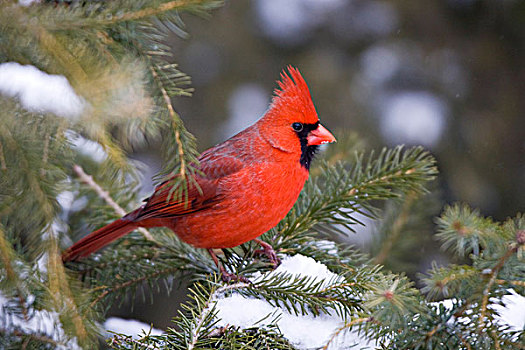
<point>247,183</point>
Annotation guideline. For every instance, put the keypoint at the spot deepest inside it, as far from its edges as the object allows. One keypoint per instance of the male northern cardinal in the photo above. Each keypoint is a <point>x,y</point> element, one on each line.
<point>246,186</point>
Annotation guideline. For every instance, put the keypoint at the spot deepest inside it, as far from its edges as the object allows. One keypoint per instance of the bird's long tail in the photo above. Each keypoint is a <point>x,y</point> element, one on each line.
<point>99,239</point>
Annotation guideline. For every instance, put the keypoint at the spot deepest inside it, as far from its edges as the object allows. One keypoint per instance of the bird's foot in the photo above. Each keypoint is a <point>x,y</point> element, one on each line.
<point>231,277</point>
<point>269,252</point>
<point>225,275</point>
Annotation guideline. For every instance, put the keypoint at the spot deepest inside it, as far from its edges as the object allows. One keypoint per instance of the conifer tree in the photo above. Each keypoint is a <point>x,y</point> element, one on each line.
<point>123,77</point>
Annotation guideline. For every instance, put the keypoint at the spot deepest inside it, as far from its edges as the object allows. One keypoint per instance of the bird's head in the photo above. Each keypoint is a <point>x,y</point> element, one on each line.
<point>291,124</point>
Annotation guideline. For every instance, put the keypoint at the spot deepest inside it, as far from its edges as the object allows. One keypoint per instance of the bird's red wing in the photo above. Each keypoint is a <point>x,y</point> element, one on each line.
<point>199,197</point>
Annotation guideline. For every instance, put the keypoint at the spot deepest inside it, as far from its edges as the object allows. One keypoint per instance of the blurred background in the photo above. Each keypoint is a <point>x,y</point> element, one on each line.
<point>445,74</point>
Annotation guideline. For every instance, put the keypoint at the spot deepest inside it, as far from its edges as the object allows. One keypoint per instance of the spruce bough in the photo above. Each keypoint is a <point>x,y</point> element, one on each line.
<point>51,192</point>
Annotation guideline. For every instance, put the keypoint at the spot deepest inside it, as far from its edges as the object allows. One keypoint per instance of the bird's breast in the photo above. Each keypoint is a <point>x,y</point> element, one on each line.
<point>255,199</point>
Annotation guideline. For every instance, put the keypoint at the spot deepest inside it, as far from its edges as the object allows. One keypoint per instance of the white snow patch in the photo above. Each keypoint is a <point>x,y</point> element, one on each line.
<point>65,199</point>
<point>26,3</point>
<point>513,313</point>
<point>303,266</point>
<point>329,246</point>
<point>39,322</point>
<point>40,92</point>
<point>510,313</point>
<point>413,118</point>
<point>303,331</point>
<point>42,263</point>
<point>86,147</point>
<point>134,328</point>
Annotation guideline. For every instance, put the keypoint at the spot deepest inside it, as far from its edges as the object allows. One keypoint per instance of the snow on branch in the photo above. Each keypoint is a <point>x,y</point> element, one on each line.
<point>40,92</point>
<point>303,331</point>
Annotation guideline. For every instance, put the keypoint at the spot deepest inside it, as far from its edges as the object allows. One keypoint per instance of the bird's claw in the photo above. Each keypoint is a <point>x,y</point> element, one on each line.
<point>228,277</point>
<point>269,252</point>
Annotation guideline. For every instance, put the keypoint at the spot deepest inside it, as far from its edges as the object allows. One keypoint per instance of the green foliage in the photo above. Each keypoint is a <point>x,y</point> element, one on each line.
<point>114,55</point>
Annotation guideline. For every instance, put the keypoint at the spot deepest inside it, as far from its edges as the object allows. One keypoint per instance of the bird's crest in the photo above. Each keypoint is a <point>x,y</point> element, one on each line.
<point>293,97</point>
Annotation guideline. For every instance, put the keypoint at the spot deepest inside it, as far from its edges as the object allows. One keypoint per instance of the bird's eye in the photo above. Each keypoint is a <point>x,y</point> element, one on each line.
<point>297,126</point>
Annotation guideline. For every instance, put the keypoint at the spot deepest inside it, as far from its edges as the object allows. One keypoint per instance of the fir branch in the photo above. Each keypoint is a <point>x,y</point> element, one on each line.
<point>3,165</point>
<point>513,248</point>
<point>61,293</point>
<point>32,337</point>
<point>7,258</point>
<point>400,221</point>
<point>196,322</point>
<point>88,179</point>
<point>68,63</point>
<point>111,274</point>
<point>303,294</point>
<point>449,280</point>
<point>129,283</point>
<point>329,200</point>
<point>149,12</point>
<point>516,283</point>
<point>464,230</point>
<point>178,171</point>
<point>345,327</point>
<point>94,16</point>
<point>175,118</point>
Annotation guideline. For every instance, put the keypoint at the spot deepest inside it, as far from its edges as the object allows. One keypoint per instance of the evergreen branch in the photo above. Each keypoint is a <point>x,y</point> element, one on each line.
<point>178,171</point>
<point>7,257</point>
<point>196,321</point>
<point>149,12</point>
<point>516,283</point>
<point>88,180</point>
<point>68,63</point>
<point>344,189</point>
<point>513,248</point>
<point>119,339</point>
<point>464,230</point>
<point>34,337</point>
<point>347,326</point>
<point>303,294</point>
<point>174,117</point>
<point>397,227</point>
<point>448,280</point>
<point>117,163</point>
<point>464,341</point>
<point>61,293</point>
<point>111,274</point>
<point>129,283</point>
<point>109,16</point>
<point>3,165</point>
<point>45,153</point>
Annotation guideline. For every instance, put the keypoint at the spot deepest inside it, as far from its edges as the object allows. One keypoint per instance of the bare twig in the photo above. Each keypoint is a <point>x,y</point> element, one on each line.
<point>88,179</point>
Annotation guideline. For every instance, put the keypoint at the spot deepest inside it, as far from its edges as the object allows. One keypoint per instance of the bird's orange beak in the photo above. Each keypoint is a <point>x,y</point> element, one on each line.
<point>319,136</point>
